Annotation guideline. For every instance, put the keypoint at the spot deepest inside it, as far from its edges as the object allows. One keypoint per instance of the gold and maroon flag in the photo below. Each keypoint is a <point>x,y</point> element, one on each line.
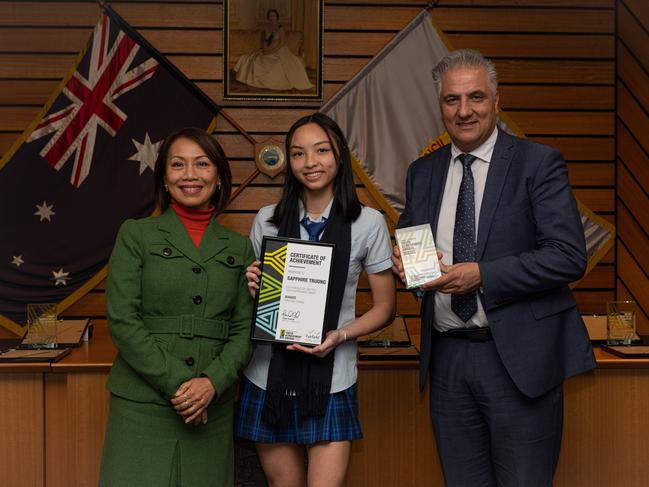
<point>390,114</point>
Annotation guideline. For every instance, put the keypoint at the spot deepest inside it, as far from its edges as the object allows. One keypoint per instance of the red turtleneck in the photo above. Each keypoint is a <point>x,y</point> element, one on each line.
<point>195,220</point>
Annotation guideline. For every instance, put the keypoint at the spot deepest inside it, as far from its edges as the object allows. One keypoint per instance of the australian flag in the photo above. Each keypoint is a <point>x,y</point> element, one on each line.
<point>85,165</point>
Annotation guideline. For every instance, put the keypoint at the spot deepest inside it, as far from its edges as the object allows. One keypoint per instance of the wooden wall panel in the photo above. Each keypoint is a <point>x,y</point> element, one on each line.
<point>555,58</point>
<point>556,97</point>
<point>491,3</point>
<point>139,14</point>
<point>633,155</point>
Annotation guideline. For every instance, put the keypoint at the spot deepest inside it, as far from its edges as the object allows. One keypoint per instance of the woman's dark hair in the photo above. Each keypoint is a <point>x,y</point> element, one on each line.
<point>215,154</point>
<point>270,11</point>
<point>344,189</point>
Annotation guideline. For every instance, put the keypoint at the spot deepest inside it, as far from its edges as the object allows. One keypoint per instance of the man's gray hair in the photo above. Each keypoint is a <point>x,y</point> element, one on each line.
<point>465,57</point>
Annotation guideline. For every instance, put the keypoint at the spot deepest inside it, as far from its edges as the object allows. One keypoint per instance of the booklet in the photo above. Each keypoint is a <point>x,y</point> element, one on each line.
<point>628,351</point>
<point>43,355</point>
<point>418,254</point>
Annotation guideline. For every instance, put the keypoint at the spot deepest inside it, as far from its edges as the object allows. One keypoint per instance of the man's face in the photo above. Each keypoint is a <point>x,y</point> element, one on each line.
<point>468,106</point>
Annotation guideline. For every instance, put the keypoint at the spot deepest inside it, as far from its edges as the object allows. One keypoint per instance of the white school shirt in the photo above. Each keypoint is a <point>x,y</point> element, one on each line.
<point>371,250</point>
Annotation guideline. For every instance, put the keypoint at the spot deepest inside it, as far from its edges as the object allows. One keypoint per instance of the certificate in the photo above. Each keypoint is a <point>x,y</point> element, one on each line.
<point>291,303</point>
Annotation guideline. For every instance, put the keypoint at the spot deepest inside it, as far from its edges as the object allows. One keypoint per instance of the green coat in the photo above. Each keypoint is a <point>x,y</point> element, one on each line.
<point>174,312</point>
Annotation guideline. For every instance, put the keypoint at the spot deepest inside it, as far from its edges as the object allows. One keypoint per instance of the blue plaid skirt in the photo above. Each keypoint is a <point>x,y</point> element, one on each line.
<point>339,423</point>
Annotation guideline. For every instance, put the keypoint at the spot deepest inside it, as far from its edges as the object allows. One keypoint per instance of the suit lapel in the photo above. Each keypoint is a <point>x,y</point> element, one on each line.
<point>175,233</point>
<point>438,173</point>
<point>498,167</point>
<point>214,241</point>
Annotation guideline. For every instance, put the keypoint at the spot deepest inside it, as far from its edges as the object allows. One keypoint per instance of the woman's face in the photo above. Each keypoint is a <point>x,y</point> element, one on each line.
<point>312,158</point>
<point>272,18</point>
<point>190,177</point>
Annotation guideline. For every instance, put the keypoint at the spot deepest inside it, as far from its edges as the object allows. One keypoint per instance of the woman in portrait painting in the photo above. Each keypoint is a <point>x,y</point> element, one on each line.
<point>274,66</point>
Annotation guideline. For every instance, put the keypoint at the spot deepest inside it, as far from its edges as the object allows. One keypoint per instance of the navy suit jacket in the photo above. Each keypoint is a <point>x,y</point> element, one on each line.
<point>530,246</point>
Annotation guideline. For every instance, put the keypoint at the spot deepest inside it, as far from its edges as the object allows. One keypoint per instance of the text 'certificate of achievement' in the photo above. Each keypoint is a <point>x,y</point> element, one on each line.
<point>418,254</point>
<point>291,303</point>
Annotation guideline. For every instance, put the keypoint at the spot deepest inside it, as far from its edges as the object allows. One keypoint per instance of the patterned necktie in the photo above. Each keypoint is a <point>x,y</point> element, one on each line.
<point>313,228</point>
<point>465,305</point>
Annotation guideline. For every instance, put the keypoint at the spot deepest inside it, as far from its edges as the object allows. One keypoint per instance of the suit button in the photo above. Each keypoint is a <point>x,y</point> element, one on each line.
<point>166,251</point>
<point>197,270</point>
<point>230,260</point>
<point>197,299</point>
<point>189,361</point>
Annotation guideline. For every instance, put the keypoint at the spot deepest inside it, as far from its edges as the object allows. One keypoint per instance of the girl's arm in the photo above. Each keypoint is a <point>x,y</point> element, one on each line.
<point>378,316</point>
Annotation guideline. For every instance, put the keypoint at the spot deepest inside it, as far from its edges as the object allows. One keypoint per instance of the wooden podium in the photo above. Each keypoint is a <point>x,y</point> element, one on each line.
<point>54,414</point>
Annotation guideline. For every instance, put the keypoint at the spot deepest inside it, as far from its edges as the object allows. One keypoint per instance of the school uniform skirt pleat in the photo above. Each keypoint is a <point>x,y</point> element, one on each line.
<point>150,445</point>
<point>339,423</point>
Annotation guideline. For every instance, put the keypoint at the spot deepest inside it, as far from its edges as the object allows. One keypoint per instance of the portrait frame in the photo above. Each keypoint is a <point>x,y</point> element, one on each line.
<point>273,58</point>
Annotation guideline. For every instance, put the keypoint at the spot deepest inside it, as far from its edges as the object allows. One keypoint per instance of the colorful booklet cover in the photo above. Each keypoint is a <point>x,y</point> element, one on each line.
<point>418,254</point>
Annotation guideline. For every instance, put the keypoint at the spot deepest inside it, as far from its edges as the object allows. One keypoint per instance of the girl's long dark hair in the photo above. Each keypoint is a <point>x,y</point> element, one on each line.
<point>344,189</point>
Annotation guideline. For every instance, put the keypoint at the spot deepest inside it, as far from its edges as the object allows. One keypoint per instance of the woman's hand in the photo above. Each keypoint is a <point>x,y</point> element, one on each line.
<point>253,272</point>
<point>192,398</point>
<point>333,339</point>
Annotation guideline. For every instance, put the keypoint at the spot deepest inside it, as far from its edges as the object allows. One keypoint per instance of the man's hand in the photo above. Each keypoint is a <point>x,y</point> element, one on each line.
<point>397,265</point>
<point>456,279</point>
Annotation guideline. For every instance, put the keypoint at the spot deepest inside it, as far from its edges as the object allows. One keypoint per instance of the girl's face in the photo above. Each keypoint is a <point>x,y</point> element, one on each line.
<point>191,177</point>
<point>312,159</point>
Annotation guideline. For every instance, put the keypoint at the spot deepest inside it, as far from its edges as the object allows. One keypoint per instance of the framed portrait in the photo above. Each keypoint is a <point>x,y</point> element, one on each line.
<point>273,50</point>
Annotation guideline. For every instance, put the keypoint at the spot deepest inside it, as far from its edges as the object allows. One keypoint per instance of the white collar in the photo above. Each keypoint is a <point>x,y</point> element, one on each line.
<point>484,152</point>
<point>325,213</point>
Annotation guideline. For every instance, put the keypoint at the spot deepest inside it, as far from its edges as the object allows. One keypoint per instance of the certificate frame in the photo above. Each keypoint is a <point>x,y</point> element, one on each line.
<point>244,23</point>
<point>292,303</point>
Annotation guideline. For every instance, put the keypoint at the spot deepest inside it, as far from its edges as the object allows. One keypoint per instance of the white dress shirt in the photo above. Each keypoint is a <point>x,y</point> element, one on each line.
<point>445,318</point>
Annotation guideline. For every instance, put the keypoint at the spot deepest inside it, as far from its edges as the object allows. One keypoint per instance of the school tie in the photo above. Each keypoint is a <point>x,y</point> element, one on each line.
<point>313,228</point>
<point>465,305</point>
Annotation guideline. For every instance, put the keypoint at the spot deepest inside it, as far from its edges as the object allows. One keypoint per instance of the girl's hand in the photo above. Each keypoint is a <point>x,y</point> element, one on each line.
<point>253,272</point>
<point>333,339</point>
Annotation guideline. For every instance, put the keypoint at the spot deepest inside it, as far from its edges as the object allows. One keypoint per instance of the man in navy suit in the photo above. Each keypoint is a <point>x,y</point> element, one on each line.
<point>500,328</point>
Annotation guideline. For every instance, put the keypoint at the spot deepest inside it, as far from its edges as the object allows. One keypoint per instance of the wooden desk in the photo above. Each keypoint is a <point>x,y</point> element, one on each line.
<point>54,417</point>
<point>605,437</point>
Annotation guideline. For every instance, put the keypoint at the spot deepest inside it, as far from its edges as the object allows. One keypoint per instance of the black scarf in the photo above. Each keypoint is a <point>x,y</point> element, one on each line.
<point>296,376</point>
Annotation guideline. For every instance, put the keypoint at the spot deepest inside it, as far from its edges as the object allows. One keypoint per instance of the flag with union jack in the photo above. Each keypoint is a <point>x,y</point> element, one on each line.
<point>85,165</point>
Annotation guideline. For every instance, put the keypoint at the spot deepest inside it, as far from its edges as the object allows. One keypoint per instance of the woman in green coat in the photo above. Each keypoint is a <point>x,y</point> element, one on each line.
<point>179,314</point>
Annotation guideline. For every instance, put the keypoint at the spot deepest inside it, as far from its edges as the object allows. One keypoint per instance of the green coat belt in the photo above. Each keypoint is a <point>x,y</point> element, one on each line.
<point>176,311</point>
